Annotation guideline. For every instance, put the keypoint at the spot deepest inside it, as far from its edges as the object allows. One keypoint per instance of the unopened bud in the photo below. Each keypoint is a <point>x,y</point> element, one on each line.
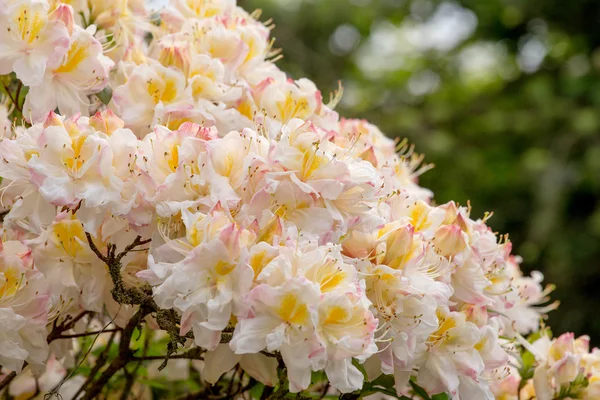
<point>567,369</point>
<point>449,240</point>
<point>64,13</point>
<point>175,54</point>
<point>106,121</point>
<point>562,346</point>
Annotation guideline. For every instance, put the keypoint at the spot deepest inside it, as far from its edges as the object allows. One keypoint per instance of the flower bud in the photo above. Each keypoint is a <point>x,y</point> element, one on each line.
<point>567,369</point>
<point>358,244</point>
<point>582,344</point>
<point>64,13</point>
<point>563,345</point>
<point>476,314</point>
<point>52,119</point>
<point>175,54</point>
<point>451,212</point>
<point>106,121</point>
<point>398,244</point>
<point>449,240</point>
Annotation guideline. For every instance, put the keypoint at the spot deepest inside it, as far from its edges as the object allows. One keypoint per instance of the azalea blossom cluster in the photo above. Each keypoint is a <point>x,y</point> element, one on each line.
<point>278,229</point>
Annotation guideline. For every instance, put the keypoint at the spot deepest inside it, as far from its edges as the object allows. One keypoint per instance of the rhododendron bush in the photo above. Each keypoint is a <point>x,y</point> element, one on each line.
<point>183,219</point>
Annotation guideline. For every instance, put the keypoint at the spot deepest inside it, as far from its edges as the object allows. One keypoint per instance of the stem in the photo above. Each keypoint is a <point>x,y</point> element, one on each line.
<point>7,90</point>
<point>8,379</point>
<point>78,335</point>
<point>122,358</point>
<point>99,364</point>
<point>186,356</point>
<point>17,105</point>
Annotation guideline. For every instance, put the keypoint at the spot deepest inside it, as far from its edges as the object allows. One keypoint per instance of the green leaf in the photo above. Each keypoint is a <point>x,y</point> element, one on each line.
<point>105,95</point>
<point>419,391</point>
<point>440,396</point>
<point>256,390</point>
<point>387,381</point>
<point>360,367</point>
<point>317,376</point>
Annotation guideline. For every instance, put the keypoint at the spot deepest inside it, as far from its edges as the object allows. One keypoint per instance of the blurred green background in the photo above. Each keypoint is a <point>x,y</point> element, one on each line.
<point>503,96</point>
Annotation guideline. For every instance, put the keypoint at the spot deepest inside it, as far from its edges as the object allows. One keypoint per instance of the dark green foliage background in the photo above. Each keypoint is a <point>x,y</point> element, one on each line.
<point>523,145</point>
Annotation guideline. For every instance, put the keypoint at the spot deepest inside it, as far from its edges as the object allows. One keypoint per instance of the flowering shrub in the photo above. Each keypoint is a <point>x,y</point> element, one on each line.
<point>174,202</point>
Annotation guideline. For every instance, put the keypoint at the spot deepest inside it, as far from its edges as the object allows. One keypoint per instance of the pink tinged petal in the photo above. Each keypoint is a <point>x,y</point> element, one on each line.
<point>64,14</point>
<point>39,101</point>
<point>567,369</point>
<point>217,362</point>
<point>373,368</point>
<point>344,376</point>
<point>12,353</point>
<point>250,334</point>
<point>298,365</point>
<point>275,338</point>
<point>70,101</point>
<point>206,338</point>
<point>471,389</point>
<point>469,363</point>
<point>30,69</point>
<point>541,383</point>
<point>261,368</point>
<point>401,379</point>
<point>438,374</point>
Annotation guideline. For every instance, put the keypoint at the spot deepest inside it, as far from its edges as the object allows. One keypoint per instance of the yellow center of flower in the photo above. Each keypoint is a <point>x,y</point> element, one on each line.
<point>292,108</point>
<point>292,311</point>
<point>227,165</point>
<point>162,90</point>
<point>10,280</point>
<point>172,158</point>
<point>173,123</point>
<point>30,153</point>
<point>418,215</point>
<point>381,290</point>
<point>442,333</point>
<point>332,280</point>
<point>224,268</point>
<point>75,56</point>
<point>29,23</point>
<point>68,235</point>
<point>74,161</point>
<point>245,108</point>
<point>336,315</point>
<point>195,236</point>
<point>270,231</point>
<point>311,162</point>
<point>259,261</point>
<point>202,8</point>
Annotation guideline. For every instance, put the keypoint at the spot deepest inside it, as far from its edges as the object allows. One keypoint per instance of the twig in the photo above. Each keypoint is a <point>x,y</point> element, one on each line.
<point>189,355</point>
<point>122,358</point>
<point>8,379</point>
<point>95,248</point>
<point>57,388</point>
<point>232,380</point>
<point>131,376</point>
<point>99,364</point>
<point>77,335</point>
<point>10,95</point>
<point>137,242</point>
<point>67,324</point>
<point>17,105</point>
<point>120,293</point>
<point>325,390</point>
